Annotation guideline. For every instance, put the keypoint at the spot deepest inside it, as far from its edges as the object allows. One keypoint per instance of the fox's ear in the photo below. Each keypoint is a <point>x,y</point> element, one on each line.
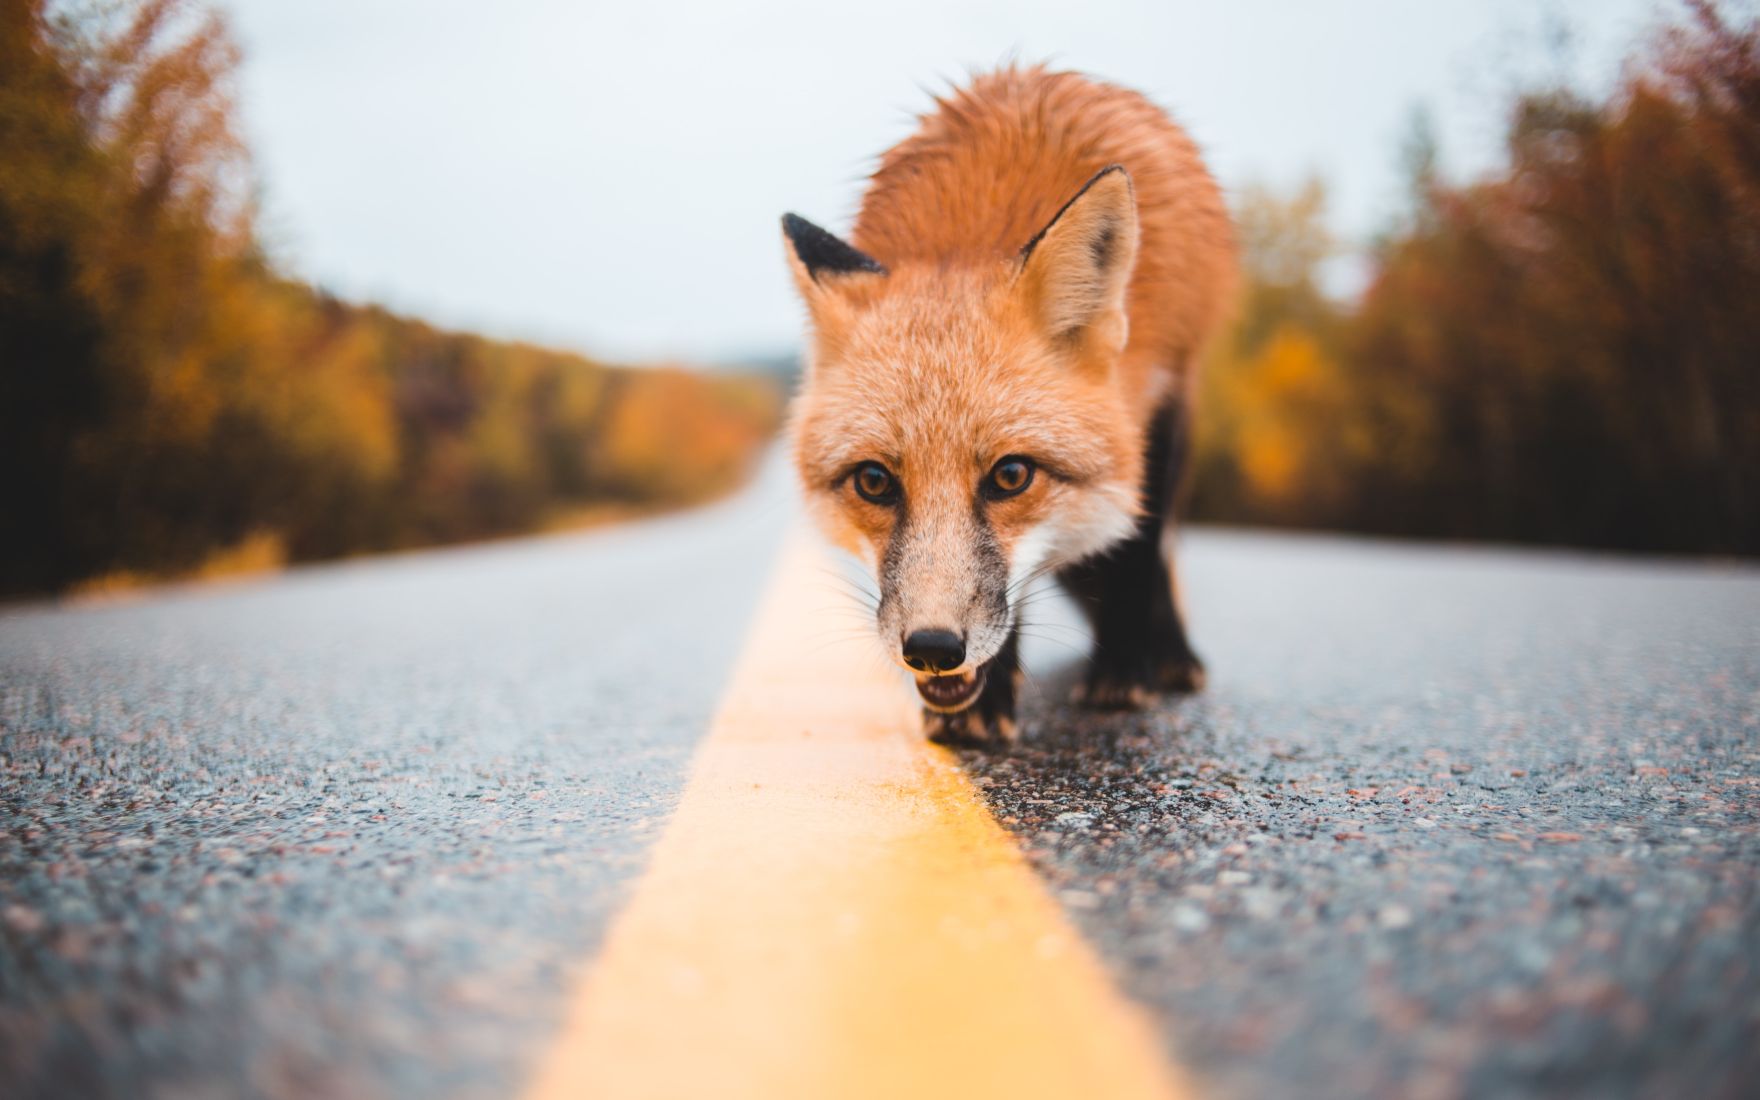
<point>822,261</point>
<point>1075,272</point>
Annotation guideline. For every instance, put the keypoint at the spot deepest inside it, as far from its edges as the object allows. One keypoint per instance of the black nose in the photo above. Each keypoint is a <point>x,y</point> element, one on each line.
<point>934,650</point>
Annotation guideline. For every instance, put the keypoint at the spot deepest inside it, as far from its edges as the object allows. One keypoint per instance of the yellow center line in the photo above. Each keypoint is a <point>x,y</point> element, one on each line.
<point>832,912</point>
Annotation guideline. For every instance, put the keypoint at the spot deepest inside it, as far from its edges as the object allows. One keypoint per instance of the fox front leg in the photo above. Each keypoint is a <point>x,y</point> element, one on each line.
<point>1130,592</point>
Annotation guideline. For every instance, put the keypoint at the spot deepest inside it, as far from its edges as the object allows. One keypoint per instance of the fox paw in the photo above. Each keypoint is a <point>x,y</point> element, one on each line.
<point>1180,675</point>
<point>1137,685</point>
<point>1111,691</point>
<point>974,726</point>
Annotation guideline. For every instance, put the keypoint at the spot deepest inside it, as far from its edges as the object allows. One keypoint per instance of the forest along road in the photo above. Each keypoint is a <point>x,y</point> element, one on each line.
<point>1448,821</point>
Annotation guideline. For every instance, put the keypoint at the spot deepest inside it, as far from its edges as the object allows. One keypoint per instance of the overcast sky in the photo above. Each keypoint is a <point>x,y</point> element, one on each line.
<point>608,176</point>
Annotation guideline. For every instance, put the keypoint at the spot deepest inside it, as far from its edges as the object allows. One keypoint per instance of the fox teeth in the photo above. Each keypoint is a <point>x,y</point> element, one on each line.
<point>951,692</point>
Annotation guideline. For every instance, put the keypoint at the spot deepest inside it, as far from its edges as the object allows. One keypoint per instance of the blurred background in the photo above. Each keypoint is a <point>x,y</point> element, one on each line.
<point>285,282</point>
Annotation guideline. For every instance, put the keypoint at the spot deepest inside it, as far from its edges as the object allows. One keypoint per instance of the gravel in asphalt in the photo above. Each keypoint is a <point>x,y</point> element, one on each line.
<point>1449,822</point>
<point>353,830</point>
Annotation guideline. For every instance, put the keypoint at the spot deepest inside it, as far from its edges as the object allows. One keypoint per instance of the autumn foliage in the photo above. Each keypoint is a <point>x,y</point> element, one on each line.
<point>168,399</point>
<point>1566,352</point>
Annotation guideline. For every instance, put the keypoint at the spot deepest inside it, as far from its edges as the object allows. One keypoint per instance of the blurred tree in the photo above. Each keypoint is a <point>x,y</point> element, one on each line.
<point>1582,325</point>
<point>50,379</point>
<point>1566,351</point>
<point>669,436</point>
<point>167,400</point>
<point>1278,424</point>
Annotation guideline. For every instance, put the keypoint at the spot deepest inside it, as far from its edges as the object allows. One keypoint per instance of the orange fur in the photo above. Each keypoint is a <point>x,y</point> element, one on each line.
<point>966,349</point>
<point>990,167</point>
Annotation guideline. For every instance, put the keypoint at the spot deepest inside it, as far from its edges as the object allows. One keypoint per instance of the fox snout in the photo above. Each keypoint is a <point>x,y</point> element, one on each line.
<point>934,651</point>
<point>943,594</point>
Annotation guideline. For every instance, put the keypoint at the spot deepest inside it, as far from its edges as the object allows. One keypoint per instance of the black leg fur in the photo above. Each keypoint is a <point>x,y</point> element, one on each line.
<point>1140,644</point>
<point>990,719</point>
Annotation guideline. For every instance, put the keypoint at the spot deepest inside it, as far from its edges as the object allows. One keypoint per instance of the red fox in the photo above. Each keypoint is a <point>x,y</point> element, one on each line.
<point>1000,367</point>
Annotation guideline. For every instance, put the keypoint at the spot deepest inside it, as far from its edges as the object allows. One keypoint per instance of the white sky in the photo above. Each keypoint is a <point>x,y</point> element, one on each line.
<point>608,176</point>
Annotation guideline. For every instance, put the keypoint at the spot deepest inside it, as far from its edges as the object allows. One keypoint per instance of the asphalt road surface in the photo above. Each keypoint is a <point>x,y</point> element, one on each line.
<point>348,832</point>
<point>1448,821</point>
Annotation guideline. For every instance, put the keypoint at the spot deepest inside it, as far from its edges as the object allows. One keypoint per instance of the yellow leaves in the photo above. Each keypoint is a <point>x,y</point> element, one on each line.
<point>1283,421</point>
<point>328,400</point>
<point>1291,364</point>
<point>181,402</point>
<point>1278,407</point>
<point>676,435</point>
<point>184,411</point>
<point>1271,460</point>
<point>257,554</point>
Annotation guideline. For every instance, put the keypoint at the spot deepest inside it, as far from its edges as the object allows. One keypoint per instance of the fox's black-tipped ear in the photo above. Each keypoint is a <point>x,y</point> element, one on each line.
<point>1077,270</point>
<point>818,257</point>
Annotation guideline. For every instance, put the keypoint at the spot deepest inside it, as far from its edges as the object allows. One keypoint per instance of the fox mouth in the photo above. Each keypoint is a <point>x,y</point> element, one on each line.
<point>951,693</point>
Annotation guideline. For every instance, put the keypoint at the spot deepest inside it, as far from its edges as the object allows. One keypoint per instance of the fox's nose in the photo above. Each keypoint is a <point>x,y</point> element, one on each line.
<point>934,650</point>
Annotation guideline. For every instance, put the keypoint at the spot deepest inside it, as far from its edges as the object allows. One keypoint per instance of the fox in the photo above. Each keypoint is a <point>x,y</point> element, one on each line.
<point>999,380</point>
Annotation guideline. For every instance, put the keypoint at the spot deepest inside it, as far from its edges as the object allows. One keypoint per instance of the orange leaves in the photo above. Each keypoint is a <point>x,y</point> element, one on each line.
<point>673,435</point>
<point>1280,412</point>
<point>1561,351</point>
<point>170,405</point>
<point>1277,388</point>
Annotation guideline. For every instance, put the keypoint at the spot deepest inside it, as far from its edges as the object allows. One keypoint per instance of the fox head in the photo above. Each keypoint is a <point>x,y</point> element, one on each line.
<point>959,428</point>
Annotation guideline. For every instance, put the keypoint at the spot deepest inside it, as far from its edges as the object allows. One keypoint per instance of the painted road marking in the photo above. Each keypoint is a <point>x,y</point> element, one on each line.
<point>832,912</point>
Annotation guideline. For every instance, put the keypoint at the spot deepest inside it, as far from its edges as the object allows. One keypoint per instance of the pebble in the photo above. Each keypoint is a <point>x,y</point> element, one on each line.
<point>1394,917</point>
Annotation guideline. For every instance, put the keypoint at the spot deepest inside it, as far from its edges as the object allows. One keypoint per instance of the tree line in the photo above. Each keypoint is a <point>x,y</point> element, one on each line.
<point>1567,351</point>
<point>169,399</point>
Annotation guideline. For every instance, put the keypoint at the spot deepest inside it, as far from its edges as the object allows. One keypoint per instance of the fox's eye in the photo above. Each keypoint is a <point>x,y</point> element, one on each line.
<point>874,483</point>
<point>1010,476</point>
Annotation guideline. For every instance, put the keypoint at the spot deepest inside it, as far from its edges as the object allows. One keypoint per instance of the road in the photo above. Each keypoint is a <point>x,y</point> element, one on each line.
<point>1448,822</point>
<point>346,832</point>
